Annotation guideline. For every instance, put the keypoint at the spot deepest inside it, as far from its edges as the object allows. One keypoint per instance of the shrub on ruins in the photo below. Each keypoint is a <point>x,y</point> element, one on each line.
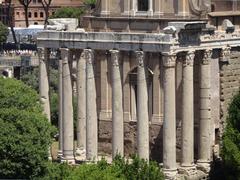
<point>68,12</point>
<point>120,169</point>
<point>231,141</point>
<point>25,133</point>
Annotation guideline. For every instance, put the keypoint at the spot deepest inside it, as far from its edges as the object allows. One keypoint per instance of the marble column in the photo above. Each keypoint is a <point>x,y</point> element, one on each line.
<point>117,106</point>
<point>91,107</point>
<point>142,108</point>
<point>44,54</point>
<point>67,118</point>
<point>60,109</point>
<point>81,105</point>
<point>187,146</point>
<point>169,123</point>
<point>204,150</point>
<point>126,86</point>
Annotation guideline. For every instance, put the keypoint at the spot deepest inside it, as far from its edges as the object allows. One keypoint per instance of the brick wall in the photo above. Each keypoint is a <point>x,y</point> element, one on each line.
<point>229,84</point>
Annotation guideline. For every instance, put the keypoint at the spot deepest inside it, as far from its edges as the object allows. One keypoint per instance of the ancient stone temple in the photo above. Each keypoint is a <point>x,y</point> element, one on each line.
<point>153,77</point>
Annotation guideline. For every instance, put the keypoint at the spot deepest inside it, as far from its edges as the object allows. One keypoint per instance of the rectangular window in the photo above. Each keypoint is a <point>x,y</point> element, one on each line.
<point>143,5</point>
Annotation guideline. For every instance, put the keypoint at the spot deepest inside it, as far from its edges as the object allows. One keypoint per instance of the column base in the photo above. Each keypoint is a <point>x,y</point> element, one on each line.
<point>183,14</point>
<point>159,13</point>
<point>105,13</point>
<point>170,174</point>
<point>188,171</point>
<point>203,165</point>
<point>126,13</point>
<point>105,115</point>
<point>68,160</point>
<point>59,154</point>
<point>80,154</point>
<point>150,13</point>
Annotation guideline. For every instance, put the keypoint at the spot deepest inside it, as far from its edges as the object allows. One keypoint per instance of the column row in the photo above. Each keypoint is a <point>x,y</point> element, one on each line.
<point>87,108</point>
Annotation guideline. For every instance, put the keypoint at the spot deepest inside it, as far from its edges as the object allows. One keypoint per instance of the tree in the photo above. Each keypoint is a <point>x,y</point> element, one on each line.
<point>46,5</point>
<point>10,19</point>
<point>25,4</point>
<point>25,133</point>
<point>3,33</point>
<point>231,141</point>
<point>68,12</point>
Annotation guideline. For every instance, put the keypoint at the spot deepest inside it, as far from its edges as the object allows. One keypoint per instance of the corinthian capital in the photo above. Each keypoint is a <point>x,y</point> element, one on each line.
<point>43,53</point>
<point>225,54</point>
<point>88,55</point>
<point>189,60</point>
<point>140,58</point>
<point>65,54</point>
<point>115,57</point>
<point>207,56</point>
<point>169,59</point>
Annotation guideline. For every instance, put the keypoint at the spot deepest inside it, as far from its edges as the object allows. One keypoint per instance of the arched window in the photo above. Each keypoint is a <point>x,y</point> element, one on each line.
<point>143,5</point>
<point>29,14</point>
<point>41,14</point>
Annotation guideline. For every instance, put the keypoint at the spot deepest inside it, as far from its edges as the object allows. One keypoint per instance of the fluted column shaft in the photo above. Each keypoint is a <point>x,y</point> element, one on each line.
<point>142,108</point>
<point>205,110</point>
<point>169,124</point>
<point>81,101</point>
<point>60,109</point>
<point>91,113</point>
<point>68,137</point>
<point>117,106</point>
<point>187,112</point>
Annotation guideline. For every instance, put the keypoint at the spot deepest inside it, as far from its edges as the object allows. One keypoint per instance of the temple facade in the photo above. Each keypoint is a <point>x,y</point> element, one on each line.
<point>153,77</point>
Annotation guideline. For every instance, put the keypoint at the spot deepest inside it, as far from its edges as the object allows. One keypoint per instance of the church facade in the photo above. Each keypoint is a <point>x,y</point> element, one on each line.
<point>154,78</point>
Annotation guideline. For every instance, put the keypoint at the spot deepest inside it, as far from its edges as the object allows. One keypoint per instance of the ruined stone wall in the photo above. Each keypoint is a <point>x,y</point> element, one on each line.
<point>229,84</point>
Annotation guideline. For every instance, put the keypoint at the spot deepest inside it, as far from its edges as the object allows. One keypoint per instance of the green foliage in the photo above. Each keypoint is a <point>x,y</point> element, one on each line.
<point>120,169</point>
<point>90,2</point>
<point>231,141</point>
<point>15,94</point>
<point>3,33</point>
<point>30,77</point>
<point>68,12</point>
<point>25,133</point>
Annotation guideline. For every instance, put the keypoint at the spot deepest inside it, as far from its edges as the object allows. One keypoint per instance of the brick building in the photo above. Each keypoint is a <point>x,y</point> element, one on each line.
<point>36,12</point>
